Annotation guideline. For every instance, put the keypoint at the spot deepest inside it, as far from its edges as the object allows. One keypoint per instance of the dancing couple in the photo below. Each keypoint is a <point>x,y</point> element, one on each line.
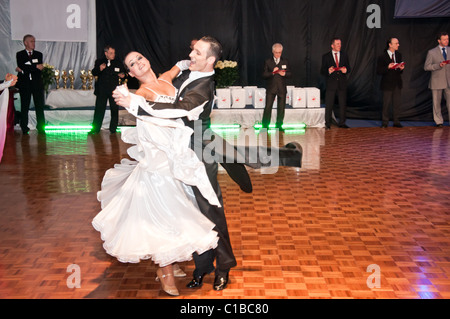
<point>166,204</point>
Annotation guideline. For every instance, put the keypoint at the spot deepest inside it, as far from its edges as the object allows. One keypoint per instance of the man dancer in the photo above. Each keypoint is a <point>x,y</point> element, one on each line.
<point>438,63</point>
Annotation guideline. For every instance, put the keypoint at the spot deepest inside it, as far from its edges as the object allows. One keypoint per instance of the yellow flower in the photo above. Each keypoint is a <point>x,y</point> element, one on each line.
<point>227,73</point>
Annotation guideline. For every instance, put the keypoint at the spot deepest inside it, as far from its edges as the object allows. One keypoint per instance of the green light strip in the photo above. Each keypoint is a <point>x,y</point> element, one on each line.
<point>72,128</point>
<point>225,126</point>
<point>284,126</point>
<point>68,127</point>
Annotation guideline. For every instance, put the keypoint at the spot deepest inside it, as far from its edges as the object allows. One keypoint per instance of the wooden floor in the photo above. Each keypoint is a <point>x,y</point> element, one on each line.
<point>366,199</point>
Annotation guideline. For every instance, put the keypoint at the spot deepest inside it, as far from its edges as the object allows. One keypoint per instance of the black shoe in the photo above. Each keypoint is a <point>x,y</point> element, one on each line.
<point>327,127</point>
<point>384,126</point>
<point>92,132</point>
<point>440,125</point>
<point>25,131</point>
<point>220,282</point>
<point>196,282</point>
<point>343,126</point>
<point>398,125</point>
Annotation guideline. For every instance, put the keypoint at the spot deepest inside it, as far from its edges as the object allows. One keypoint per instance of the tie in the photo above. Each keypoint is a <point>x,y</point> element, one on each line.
<point>109,63</point>
<point>393,57</point>
<point>444,54</point>
<point>337,60</point>
<point>29,55</point>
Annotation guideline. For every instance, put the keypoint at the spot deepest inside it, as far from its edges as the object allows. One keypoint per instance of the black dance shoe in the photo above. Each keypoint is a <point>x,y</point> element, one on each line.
<point>220,282</point>
<point>196,282</point>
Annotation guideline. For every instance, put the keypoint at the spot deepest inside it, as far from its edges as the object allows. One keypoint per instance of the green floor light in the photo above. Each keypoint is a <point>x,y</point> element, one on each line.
<point>297,126</point>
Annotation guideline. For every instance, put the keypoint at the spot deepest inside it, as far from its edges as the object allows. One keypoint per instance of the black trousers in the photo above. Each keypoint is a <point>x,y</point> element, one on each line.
<point>100,109</point>
<point>391,98</point>
<point>330,97</point>
<point>39,101</point>
<point>281,105</point>
<point>223,254</point>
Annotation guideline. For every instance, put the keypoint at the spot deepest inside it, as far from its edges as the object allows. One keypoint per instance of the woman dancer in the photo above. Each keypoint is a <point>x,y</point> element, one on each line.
<point>148,207</point>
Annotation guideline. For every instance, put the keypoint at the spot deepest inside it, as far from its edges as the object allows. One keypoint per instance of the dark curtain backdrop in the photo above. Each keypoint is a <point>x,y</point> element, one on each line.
<point>162,31</point>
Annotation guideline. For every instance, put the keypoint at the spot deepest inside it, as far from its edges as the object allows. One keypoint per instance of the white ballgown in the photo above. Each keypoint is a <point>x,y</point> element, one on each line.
<point>148,206</point>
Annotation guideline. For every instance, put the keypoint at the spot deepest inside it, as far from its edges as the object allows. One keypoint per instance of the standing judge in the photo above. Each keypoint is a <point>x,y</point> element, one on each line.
<point>440,76</point>
<point>335,67</point>
<point>390,66</point>
<point>109,71</point>
<point>29,68</point>
<point>276,70</point>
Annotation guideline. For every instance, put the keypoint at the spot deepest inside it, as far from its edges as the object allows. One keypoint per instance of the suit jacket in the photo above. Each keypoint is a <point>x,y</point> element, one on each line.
<point>108,79</point>
<point>276,84</point>
<point>192,95</point>
<point>440,77</point>
<point>390,79</point>
<point>28,66</point>
<point>337,78</point>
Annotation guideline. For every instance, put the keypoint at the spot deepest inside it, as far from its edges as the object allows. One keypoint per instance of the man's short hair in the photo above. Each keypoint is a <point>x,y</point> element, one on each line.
<point>389,41</point>
<point>215,48</point>
<point>27,36</point>
<point>277,45</point>
<point>335,39</point>
<point>107,47</point>
<point>441,34</point>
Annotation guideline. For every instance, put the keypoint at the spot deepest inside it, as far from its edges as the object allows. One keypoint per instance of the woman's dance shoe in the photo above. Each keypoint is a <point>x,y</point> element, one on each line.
<point>171,290</point>
<point>178,272</point>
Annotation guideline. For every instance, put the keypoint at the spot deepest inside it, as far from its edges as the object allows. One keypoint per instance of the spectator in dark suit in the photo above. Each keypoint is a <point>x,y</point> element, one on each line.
<point>335,67</point>
<point>109,71</point>
<point>276,70</point>
<point>29,68</point>
<point>390,67</point>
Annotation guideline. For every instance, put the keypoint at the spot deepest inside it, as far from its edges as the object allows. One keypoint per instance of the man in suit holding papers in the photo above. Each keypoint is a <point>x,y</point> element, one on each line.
<point>335,67</point>
<point>390,66</point>
<point>438,62</point>
<point>276,70</point>
<point>29,68</point>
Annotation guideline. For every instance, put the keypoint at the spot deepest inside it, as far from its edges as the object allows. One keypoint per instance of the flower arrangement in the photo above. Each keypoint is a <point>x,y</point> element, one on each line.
<point>226,73</point>
<point>48,76</point>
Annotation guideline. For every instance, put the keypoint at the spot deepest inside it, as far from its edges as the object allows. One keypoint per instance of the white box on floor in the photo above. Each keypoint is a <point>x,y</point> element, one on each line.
<point>289,89</point>
<point>249,94</point>
<point>298,98</point>
<point>260,98</point>
<point>223,98</point>
<point>312,97</point>
<point>238,98</point>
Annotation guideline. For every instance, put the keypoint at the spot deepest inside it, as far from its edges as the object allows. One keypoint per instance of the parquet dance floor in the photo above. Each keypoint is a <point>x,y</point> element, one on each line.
<point>367,216</point>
